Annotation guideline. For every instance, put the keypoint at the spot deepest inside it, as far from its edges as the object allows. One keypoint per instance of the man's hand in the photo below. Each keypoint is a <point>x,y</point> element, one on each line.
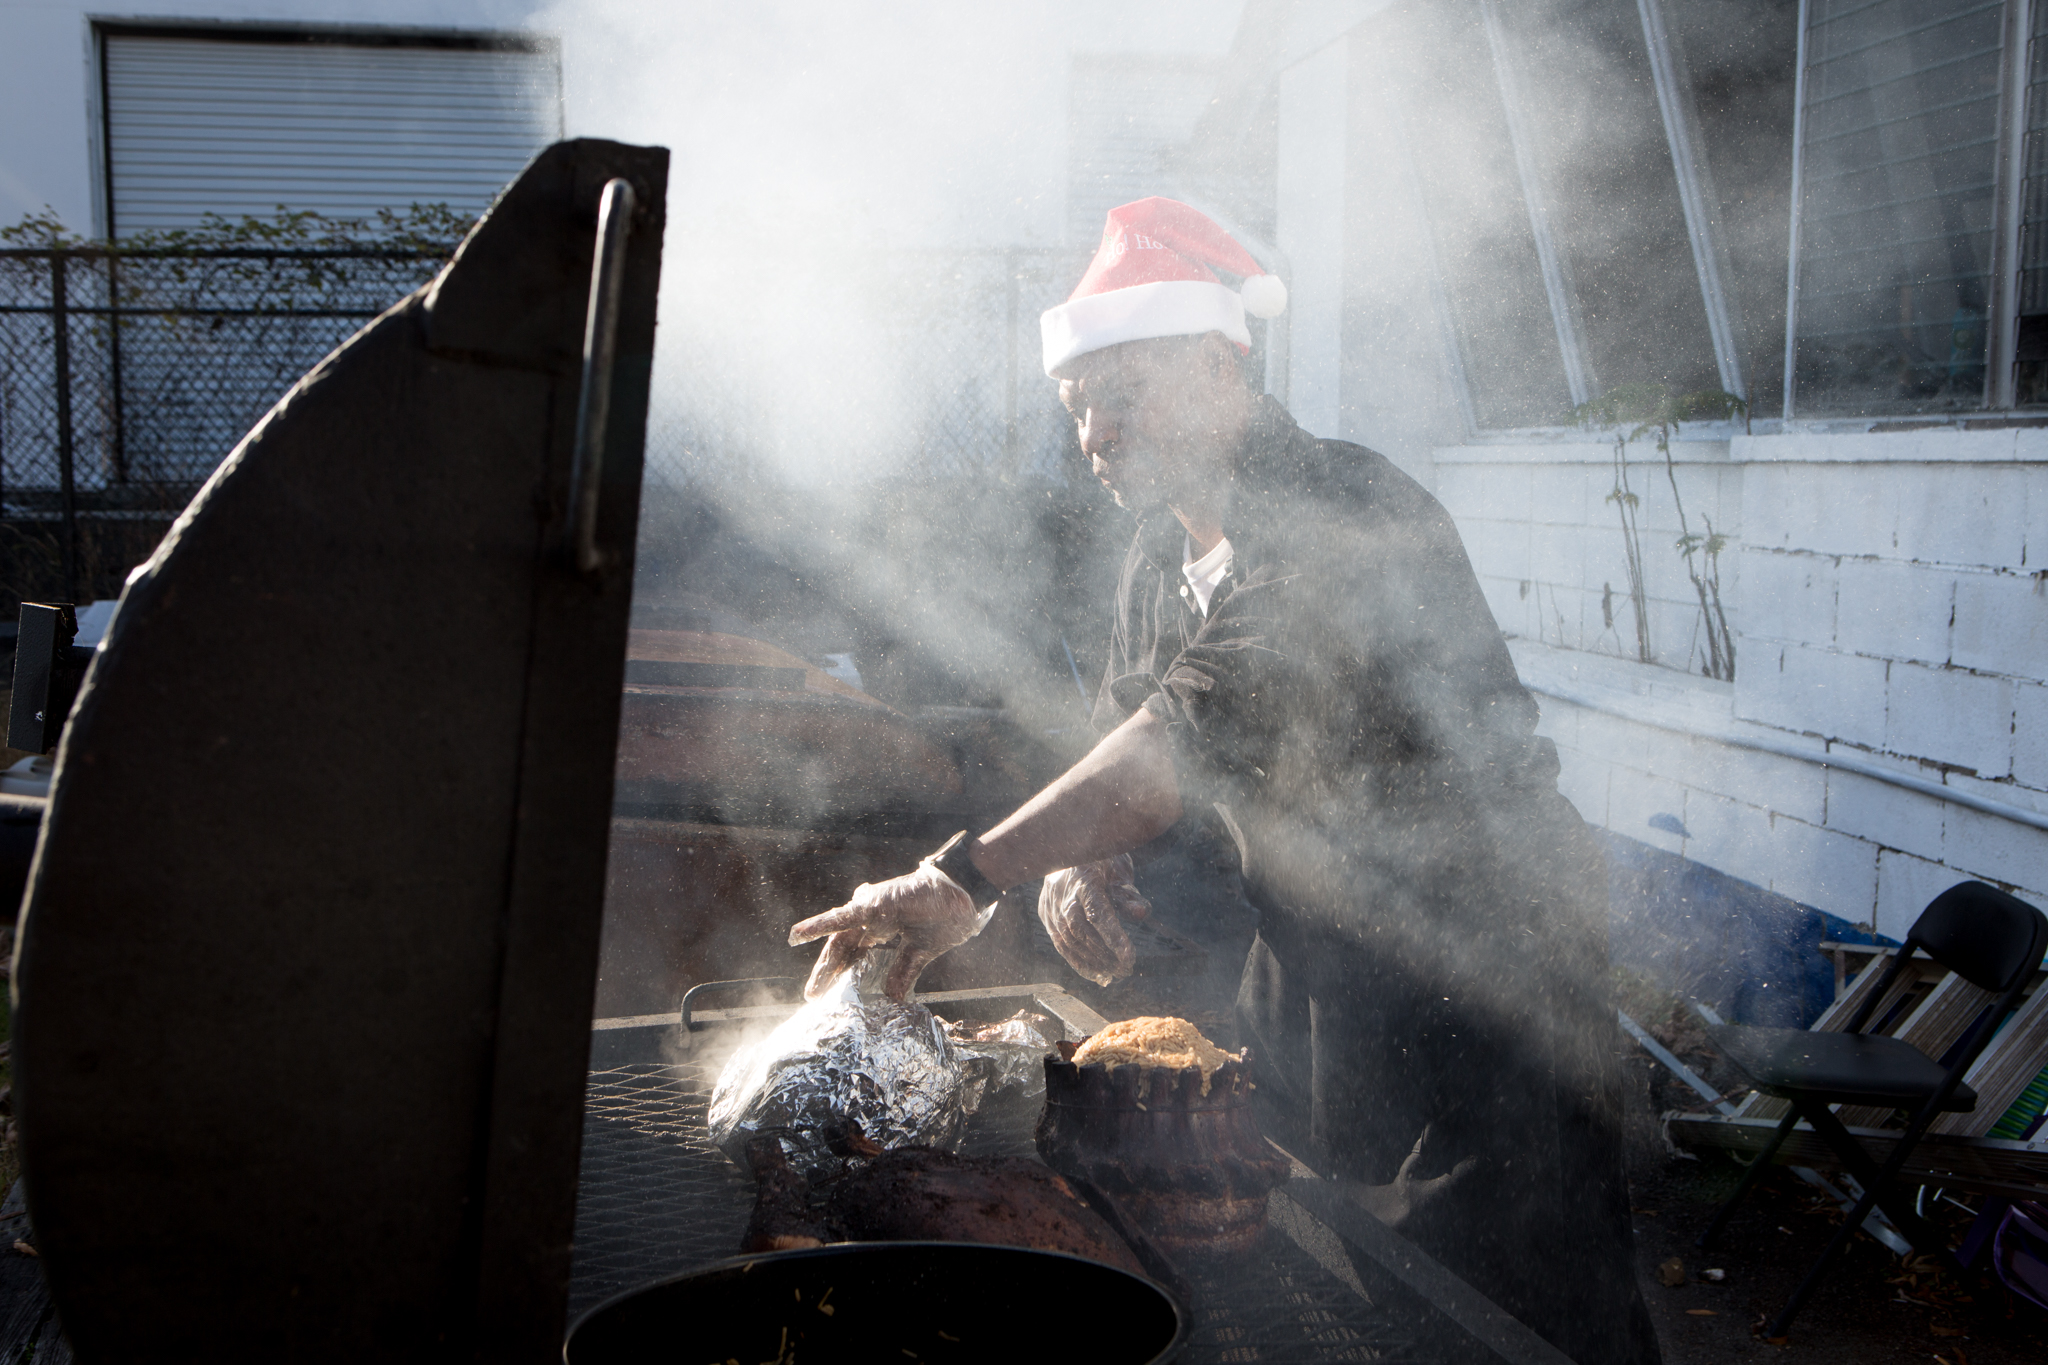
<point>1083,908</point>
<point>1395,1204</point>
<point>923,913</point>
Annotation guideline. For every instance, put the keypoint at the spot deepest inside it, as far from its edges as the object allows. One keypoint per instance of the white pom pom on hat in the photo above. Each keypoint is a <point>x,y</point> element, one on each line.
<point>1265,296</point>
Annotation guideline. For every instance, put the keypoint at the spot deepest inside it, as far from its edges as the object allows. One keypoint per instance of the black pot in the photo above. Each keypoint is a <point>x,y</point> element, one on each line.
<point>899,1301</point>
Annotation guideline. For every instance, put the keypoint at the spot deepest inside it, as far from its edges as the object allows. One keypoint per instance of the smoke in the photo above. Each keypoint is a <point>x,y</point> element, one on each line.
<point>826,160</point>
<point>854,453</point>
<point>869,205</point>
<point>825,129</point>
<point>850,440</point>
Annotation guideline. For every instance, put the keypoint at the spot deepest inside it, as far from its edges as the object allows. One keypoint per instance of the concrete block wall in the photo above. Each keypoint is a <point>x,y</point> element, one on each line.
<point>1895,602</point>
<point>1889,592</point>
<point>1548,545</point>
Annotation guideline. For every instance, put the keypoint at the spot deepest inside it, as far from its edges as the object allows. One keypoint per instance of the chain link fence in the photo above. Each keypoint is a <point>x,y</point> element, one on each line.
<point>127,375</point>
<point>917,366</point>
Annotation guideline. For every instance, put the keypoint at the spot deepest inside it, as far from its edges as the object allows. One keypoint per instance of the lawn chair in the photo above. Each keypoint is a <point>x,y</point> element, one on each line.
<point>1988,938</point>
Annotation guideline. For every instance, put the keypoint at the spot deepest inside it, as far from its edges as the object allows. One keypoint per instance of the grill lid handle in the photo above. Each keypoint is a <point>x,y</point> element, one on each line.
<point>600,345</point>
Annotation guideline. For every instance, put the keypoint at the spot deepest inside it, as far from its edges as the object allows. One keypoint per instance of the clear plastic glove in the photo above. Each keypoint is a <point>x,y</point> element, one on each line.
<point>1395,1204</point>
<point>1084,908</point>
<point>923,913</point>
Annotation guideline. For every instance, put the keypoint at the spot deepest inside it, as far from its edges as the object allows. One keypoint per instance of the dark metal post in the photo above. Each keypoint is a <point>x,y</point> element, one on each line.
<point>60,340</point>
<point>118,415</point>
<point>1010,372</point>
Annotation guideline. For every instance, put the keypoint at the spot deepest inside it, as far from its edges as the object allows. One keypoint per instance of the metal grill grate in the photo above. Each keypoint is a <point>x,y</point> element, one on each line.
<point>657,1198</point>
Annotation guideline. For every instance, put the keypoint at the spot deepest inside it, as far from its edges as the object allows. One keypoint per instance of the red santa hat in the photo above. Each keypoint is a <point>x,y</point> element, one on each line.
<point>1155,276</point>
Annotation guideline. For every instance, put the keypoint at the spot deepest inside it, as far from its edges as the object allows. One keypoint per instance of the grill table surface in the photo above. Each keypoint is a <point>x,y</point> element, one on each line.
<point>657,1198</point>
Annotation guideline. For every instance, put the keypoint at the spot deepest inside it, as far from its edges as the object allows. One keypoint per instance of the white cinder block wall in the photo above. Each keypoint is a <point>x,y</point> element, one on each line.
<point>1548,545</point>
<point>1889,592</point>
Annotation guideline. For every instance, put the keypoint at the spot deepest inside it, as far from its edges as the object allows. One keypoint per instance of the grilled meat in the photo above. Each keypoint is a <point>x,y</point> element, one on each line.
<point>915,1194</point>
<point>918,1194</point>
<point>782,1202</point>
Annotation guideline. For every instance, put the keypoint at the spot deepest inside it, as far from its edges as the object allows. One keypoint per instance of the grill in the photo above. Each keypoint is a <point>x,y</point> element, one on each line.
<point>656,1198</point>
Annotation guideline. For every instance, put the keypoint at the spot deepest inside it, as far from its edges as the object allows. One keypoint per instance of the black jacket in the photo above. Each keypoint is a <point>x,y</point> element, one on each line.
<point>1432,927</point>
<point>1349,699</point>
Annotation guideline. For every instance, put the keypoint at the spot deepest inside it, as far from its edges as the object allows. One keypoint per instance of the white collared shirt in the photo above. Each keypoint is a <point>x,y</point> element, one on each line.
<point>1204,574</point>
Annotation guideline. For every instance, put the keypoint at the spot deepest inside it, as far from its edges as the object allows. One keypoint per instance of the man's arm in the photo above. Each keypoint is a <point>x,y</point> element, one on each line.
<point>1122,795</point>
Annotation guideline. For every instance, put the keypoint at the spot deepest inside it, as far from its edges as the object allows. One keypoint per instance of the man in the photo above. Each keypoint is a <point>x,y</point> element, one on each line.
<point>1301,644</point>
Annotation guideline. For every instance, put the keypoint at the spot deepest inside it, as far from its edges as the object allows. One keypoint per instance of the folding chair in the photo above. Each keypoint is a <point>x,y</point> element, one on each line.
<point>1978,932</point>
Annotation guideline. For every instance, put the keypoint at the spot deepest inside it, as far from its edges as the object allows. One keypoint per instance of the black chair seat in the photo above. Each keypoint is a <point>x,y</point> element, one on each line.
<point>1838,1068</point>
<point>1989,939</point>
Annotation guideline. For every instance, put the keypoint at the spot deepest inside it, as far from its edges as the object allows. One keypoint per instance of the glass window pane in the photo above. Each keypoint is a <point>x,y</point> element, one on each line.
<point>1441,78</point>
<point>1606,163</point>
<point>1897,205</point>
<point>2032,353</point>
<point>1742,56</point>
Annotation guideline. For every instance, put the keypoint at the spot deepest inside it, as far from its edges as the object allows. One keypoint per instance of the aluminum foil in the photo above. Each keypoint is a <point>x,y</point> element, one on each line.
<point>886,1065</point>
<point>1016,1050</point>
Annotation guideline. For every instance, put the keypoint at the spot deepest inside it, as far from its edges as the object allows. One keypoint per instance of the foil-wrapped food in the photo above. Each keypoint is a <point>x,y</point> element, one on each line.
<point>1016,1049</point>
<point>889,1068</point>
<point>883,1064</point>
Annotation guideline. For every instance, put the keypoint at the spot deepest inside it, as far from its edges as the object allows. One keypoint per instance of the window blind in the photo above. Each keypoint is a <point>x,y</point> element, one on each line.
<point>198,125</point>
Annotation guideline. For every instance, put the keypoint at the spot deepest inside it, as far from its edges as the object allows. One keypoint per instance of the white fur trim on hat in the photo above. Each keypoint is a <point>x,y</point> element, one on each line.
<point>1163,308</point>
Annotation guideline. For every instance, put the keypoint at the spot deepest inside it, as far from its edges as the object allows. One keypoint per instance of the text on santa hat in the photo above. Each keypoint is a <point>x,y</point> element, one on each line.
<point>1138,240</point>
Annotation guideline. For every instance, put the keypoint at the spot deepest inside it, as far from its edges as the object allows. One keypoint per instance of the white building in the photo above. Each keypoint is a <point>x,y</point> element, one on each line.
<point>1495,212</point>
<point>168,111</point>
<point>1488,213</point>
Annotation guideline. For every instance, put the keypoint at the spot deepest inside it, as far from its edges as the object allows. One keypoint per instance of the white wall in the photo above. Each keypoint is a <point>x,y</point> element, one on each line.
<point>1889,605</point>
<point>898,122</point>
<point>1547,544</point>
<point>47,138</point>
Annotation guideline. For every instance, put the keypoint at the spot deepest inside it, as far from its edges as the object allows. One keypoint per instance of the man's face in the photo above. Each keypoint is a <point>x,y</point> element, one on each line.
<point>1153,416</point>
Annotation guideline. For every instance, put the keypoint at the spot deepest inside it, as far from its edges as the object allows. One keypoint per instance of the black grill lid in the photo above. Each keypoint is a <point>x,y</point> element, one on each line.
<point>308,954</point>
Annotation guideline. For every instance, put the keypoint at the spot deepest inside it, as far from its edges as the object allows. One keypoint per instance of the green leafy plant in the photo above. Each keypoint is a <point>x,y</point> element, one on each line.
<point>1653,410</point>
<point>38,231</point>
<point>185,267</point>
<point>419,227</point>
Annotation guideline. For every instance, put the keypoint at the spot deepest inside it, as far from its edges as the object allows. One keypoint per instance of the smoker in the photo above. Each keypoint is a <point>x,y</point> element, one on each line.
<point>306,959</point>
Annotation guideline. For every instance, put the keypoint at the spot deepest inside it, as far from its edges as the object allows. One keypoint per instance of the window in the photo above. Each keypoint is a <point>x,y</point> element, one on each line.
<point>1897,207</point>
<point>1599,142</point>
<point>240,121</point>
<point>1440,87</point>
<point>2031,352</point>
<point>1607,186</point>
<point>1741,68</point>
<point>1126,115</point>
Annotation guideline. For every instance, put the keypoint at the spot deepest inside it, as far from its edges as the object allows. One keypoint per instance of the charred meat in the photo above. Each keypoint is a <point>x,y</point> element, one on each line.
<point>915,1194</point>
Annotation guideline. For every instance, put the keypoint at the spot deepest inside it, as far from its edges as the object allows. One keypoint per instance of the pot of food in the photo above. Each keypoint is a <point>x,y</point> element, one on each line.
<point>1156,1117</point>
<point>909,1301</point>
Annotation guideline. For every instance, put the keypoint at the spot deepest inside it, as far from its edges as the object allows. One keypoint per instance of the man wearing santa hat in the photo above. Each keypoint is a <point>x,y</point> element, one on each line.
<point>1300,645</point>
